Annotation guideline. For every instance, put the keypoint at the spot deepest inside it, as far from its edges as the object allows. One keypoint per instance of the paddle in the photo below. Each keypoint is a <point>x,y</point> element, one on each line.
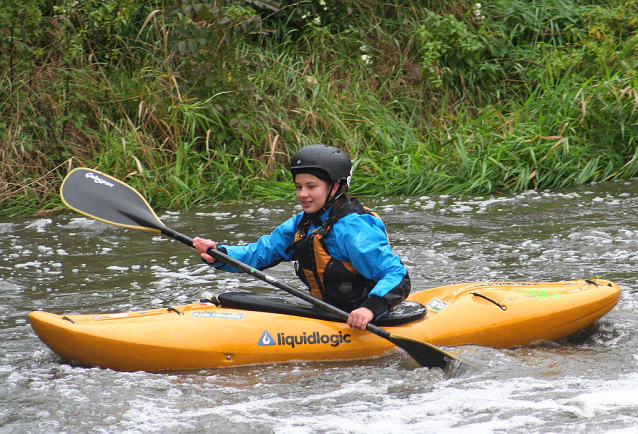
<point>109,200</point>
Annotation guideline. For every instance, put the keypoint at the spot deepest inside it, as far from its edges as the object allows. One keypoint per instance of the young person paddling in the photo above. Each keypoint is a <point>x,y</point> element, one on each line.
<point>341,249</point>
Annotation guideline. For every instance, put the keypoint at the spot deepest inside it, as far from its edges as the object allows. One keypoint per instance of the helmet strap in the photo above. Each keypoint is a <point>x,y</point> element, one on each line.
<point>329,201</point>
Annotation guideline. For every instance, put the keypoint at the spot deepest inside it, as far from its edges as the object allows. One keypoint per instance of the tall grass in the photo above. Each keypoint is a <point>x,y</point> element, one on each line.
<point>206,105</point>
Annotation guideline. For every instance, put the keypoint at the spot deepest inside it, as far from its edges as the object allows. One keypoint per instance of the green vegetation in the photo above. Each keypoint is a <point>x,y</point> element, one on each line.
<point>204,101</point>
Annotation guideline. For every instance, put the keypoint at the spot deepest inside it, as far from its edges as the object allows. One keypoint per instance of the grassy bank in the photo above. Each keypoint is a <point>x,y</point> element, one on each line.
<point>205,104</point>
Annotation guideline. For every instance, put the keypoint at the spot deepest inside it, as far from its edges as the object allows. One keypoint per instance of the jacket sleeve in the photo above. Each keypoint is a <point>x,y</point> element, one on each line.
<point>266,252</point>
<point>362,240</point>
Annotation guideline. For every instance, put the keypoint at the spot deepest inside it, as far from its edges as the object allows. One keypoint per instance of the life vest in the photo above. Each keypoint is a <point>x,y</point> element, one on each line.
<point>336,282</point>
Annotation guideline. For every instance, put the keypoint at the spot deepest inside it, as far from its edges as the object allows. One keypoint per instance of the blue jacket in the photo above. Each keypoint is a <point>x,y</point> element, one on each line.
<point>358,238</point>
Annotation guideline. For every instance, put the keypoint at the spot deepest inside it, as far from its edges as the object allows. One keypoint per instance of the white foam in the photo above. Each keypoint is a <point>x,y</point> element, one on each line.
<point>80,222</point>
<point>35,264</point>
<point>7,227</point>
<point>117,268</point>
<point>39,225</point>
<point>215,215</point>
<point>461,406</point>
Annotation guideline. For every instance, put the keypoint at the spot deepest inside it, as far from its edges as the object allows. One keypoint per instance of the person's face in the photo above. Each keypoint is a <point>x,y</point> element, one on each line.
<point>312,192</point>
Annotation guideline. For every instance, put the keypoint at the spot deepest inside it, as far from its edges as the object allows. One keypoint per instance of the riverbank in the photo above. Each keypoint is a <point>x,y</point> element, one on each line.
<point>194,106</point>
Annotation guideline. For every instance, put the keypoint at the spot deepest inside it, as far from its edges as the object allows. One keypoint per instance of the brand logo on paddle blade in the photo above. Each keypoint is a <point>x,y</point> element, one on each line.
<point>99,180</point>
<point>266,339</point>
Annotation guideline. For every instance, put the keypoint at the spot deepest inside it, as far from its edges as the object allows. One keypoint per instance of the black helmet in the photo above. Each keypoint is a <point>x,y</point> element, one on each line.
<point>332,161</point>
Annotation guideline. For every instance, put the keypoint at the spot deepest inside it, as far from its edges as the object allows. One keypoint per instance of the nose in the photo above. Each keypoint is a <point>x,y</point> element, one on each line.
<point>302,192</point>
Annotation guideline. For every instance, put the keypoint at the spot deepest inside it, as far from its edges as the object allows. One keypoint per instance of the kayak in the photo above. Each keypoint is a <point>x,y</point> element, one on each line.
<point>246,328</point>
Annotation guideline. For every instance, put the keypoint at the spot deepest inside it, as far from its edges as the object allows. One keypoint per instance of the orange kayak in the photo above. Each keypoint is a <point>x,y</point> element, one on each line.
<point>212,334</point>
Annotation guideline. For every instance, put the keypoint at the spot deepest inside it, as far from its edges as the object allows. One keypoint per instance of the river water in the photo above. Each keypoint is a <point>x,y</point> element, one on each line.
<point>586,384</point>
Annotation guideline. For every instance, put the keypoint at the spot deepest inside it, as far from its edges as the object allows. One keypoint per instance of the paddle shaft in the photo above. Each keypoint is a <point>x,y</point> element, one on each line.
<point>271,280</point>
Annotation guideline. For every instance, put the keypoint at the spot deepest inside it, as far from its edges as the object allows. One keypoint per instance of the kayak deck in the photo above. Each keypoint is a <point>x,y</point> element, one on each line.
<point>207,335</point>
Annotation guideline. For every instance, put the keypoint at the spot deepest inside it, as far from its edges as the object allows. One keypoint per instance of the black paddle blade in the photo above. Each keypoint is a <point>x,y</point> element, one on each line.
<point>107,199</point>
<point>423,353</point>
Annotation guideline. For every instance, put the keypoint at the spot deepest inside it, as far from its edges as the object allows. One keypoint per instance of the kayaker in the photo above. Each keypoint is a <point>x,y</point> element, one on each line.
<point>341,249</point>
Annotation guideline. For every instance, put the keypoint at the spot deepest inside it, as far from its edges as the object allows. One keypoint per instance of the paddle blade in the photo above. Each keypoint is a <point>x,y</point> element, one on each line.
<point>423,353</point>
<point>107,199</point>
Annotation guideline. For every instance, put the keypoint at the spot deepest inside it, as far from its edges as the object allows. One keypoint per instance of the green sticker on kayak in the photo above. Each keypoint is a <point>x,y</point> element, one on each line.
<point>221,315</point>
<point>541,295</point>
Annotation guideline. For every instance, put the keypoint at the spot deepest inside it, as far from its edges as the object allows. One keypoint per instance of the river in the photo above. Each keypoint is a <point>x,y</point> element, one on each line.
<point>587,383</point>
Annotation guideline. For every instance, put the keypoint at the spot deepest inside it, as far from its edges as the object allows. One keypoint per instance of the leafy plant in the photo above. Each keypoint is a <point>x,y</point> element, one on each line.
<point>446,43</point>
